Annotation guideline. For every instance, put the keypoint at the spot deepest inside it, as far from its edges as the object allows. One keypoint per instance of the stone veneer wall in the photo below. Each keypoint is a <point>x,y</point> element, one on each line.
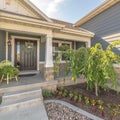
<point>41,68</point>
<point>49,73</point>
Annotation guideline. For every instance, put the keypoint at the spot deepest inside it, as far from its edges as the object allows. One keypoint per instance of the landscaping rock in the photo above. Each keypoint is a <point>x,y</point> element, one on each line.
<point>57,111</point>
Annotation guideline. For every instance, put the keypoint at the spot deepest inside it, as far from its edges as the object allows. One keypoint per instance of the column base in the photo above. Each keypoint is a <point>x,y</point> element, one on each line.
<point>49,73</point>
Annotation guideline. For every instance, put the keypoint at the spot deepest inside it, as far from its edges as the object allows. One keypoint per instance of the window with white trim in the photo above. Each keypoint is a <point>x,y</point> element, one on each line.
<point>56,45</point>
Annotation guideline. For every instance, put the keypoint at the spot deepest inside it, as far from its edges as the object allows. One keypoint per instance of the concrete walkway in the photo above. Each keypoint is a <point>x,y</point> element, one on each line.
<point>23,104</point>
<point>33,112</point>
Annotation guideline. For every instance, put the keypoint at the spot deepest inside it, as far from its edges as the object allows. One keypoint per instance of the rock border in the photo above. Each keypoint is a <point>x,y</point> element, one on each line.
<point>74,108</point>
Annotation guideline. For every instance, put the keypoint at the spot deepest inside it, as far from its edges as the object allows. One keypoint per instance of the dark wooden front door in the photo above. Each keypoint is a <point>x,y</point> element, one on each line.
<point>26,54</point>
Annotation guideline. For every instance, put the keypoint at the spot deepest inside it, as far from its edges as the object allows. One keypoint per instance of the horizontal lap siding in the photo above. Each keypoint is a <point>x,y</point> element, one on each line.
<point>104,24</point>
<point>2,45</point>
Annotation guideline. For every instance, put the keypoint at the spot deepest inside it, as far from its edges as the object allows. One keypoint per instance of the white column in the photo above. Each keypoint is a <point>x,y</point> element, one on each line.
<point>48,54</point>
<point>88,44</point>
<point>6,45</point>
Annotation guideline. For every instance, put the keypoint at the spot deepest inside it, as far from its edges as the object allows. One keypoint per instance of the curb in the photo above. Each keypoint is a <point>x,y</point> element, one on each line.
<point>76,109</point>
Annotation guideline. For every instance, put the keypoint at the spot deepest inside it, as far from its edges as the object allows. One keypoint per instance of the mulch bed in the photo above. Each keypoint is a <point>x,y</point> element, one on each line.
<point>108,97</point>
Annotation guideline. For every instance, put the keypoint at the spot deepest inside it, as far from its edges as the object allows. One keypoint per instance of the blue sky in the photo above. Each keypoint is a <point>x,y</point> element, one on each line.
<point>67,10</point>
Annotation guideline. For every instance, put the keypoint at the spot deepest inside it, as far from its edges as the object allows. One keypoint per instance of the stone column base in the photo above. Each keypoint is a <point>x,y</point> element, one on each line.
<point>49,73</point>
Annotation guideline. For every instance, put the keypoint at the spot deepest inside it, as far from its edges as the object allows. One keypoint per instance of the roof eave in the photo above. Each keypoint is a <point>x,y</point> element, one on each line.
<point>78,32</point>
<point>107,4</point>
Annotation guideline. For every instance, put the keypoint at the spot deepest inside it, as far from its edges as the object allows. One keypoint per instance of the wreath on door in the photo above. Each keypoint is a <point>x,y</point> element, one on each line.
<point>28,47</point>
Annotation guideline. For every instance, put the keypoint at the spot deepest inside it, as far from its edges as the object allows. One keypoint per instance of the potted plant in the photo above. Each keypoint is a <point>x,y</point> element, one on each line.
<point>7,71</point>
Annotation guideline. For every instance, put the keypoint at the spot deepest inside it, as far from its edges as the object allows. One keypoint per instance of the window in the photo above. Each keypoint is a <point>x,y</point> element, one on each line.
<point>56,48</point>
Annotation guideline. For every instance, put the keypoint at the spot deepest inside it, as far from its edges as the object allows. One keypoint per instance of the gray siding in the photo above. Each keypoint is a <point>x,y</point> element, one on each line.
<point>104,24</point>
<point>42,51</point>
<point>2,45</point>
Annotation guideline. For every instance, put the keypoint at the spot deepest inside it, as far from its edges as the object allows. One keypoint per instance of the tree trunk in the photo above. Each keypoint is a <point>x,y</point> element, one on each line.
<point>96,89</point>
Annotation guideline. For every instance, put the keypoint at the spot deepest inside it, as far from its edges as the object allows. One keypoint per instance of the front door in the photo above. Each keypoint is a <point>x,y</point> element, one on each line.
<point>26,54</point>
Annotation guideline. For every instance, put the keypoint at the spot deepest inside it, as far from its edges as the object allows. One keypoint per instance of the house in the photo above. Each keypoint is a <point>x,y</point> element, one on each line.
<point>30,39</point>
<point>104,22</point>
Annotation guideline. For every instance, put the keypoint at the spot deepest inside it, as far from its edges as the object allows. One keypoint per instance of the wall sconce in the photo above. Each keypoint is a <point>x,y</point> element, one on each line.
<point>9,42</point>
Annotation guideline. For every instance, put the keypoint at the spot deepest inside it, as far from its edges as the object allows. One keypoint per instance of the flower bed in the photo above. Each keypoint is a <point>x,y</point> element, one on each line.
<point>106,106</point>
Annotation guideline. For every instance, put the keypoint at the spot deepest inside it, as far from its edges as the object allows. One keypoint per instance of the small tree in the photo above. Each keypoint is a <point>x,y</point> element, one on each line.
<point>95,63</point>
<point>99,68</point>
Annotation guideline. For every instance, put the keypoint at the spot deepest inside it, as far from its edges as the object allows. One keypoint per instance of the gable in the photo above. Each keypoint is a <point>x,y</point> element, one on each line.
<point>22,7</point>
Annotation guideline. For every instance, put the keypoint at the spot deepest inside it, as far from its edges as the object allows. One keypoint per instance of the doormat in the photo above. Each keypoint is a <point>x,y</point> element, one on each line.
<point>27,75</point>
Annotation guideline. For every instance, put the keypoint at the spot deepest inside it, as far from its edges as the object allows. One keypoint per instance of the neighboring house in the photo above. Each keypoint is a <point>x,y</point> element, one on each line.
<point>104,21</point>
<point>30,39</point>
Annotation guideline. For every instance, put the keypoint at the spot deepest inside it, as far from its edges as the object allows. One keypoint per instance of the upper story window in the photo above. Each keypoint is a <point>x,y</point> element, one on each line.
<point>57,45</point>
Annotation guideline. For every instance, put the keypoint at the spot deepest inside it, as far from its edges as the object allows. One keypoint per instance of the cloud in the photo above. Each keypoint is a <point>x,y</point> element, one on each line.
<point>50,7</point>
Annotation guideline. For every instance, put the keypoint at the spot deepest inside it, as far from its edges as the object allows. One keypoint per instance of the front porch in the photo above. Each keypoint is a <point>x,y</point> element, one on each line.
<point>42,38</point>
<point>29,81</point>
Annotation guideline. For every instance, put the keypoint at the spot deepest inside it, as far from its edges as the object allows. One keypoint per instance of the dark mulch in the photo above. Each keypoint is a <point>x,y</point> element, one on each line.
<point>108,97</point>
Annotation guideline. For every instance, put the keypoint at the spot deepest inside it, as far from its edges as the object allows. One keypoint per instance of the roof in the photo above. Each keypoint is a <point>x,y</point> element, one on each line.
<point>106,5</point>
<point>68,25</point>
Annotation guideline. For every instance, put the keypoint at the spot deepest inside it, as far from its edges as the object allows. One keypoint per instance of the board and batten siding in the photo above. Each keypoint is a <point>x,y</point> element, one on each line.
<point>105,24</point>
<point>2,45</point>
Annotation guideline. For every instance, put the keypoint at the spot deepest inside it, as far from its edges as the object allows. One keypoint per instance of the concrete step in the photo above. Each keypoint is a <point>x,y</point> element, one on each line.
<point>15,96</point>
<point>20,98</point>
<point>21,104</point>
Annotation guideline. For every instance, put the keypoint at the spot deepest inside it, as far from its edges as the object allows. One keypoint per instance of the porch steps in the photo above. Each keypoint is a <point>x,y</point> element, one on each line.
<point>24,104</point>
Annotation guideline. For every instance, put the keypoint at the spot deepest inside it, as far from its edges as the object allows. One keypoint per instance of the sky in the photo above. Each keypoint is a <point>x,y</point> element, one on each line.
<point>66,10</point>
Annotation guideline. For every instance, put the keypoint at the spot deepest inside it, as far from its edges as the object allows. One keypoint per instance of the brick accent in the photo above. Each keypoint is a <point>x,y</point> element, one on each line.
<point>49,73</point>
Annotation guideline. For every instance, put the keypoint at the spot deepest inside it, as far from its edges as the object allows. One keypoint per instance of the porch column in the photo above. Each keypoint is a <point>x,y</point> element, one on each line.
<point>49,67</point>
<point>88,44</point>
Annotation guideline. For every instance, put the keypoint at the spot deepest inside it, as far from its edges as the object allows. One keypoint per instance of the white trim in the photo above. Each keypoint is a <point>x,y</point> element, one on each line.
<point>111,38</point>
<point>48,52</point>
<point>38,54</point>
<point>6,45</point>
<point>106,5</point>
<point>74,45</point>
<point>41,62</point>
<point>12,50</point>
<point>26,38</point>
